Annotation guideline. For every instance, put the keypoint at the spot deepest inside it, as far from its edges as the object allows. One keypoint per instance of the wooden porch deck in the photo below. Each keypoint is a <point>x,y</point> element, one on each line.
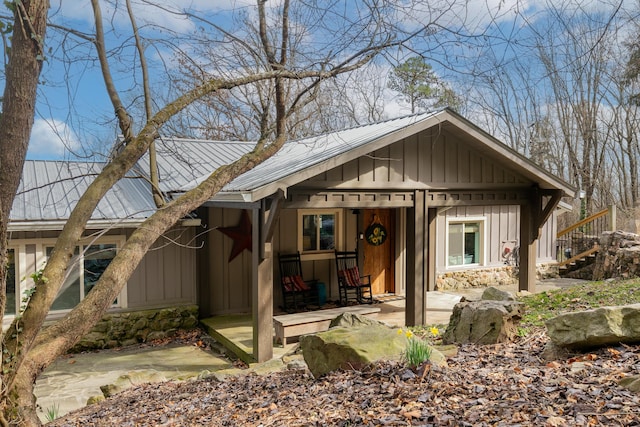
<point>235,332</point>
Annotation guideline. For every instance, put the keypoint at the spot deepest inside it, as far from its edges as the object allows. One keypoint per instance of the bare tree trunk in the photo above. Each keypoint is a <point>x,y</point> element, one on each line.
<point>19,99</point>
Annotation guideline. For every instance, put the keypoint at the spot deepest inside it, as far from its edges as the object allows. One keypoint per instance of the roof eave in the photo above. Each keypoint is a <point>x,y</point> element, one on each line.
<point>526,166</point>
<point>57,225</point>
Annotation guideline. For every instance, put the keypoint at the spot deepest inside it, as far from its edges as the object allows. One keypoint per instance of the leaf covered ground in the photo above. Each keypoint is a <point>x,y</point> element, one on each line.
<point>497,385</point>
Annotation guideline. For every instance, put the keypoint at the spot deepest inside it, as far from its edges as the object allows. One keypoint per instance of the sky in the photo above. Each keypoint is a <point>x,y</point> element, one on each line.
<point>75,121</point>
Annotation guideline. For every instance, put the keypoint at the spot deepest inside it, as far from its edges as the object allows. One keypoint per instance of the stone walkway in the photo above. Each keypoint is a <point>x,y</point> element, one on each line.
<point>71,380</point>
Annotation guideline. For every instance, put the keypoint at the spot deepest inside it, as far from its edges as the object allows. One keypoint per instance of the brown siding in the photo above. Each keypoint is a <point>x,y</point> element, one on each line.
<point>166,274</point>
<point>227,285</point>
<point>440,160</point>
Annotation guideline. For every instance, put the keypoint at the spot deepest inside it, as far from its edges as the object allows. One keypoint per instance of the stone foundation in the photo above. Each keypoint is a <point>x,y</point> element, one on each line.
<point>547,271</point>
<point>484,277</point>
<point>133,327</point>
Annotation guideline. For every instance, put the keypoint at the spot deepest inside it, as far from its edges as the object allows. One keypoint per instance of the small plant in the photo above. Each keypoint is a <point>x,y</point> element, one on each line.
<point>52,412</point>
<point>418,350</point>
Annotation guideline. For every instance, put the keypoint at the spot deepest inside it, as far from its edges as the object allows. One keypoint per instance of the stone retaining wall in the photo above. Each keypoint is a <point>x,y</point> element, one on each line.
<point>483,277</point>
<point>133,327</point>
<point>618,257</point>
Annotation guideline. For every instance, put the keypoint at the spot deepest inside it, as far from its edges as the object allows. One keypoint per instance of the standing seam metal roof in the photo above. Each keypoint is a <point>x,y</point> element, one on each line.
<point>298,155</point>
<point>49,190</point>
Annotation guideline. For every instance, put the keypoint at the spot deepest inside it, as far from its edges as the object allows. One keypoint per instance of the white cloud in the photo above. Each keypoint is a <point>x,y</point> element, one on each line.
<point>52,139</point>
<point>160,13</point>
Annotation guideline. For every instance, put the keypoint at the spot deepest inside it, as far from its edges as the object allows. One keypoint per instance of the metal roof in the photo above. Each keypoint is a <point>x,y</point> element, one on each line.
<point>297,160</point>
<point>298,155</point>
<point>181,161</point>
<point>49,190</point>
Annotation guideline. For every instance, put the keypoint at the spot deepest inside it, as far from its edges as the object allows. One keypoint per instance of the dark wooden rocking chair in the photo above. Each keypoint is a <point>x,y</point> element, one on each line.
<point>350,281</point>
<point>296,292</point>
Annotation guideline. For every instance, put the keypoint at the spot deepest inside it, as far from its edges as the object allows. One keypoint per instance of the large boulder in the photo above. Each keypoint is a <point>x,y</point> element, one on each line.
<point>349,348</point>
<point>483,322</point>
<point>594,328</point>
<point>354,341</point>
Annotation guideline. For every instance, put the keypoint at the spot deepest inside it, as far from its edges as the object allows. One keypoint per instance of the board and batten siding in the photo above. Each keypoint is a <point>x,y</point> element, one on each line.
<point>224,287</point>
<point>431,159</point>
<point>166,276</point>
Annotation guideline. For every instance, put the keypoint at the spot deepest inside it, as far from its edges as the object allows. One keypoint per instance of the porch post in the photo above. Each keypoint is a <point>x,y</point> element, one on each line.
<point>528,249</point>
<point>415,302</point>
<point>432,214</point>
<point>262,291</point>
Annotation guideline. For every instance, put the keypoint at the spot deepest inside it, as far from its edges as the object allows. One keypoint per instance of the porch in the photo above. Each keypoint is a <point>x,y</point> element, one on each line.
<point>235,332</point>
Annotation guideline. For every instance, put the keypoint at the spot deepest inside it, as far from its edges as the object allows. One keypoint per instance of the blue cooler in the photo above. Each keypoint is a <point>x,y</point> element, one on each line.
<point>322,293</point>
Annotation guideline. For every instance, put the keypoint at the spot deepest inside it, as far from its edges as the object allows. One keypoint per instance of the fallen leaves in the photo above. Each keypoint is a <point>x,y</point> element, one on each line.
<point>500,385</point>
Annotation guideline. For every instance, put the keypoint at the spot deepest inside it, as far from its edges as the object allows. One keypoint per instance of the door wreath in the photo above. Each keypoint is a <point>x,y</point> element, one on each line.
<point>375,234</point>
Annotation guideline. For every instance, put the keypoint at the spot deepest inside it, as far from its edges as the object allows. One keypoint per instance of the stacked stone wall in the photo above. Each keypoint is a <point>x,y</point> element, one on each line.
<point>134,327</point>
<point>484,277</point>
<point>618,257</point>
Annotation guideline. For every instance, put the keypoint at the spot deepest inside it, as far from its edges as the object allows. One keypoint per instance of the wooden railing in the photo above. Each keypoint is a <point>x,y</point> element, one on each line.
<point>582,239</point>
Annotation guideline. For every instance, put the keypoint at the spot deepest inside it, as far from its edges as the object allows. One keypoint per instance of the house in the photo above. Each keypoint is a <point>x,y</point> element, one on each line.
<point>448,195</point>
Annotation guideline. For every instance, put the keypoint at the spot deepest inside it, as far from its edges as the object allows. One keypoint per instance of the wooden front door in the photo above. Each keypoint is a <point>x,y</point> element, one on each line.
<point>379,251</point>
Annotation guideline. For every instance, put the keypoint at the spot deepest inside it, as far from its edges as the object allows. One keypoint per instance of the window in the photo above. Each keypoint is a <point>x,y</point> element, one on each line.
<point>318,231</point>
<point>465,243</point>
<point>94,260</point>
<point>10,309</point>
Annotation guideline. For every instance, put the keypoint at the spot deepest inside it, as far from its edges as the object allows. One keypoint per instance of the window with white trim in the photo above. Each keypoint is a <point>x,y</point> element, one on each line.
<point>94,259</point>
<point>318,230</point>
<point>465,242</point>
<point>90,261</point>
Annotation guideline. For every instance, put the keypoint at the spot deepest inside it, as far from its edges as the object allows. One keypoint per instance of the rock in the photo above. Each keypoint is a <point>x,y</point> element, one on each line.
<point>295,362</point>
<point>619,256</point>
<point>268,367</point>
<point>353,320</point>
<point>584,273</point>
<point>483,322</point>
<point>631,383</point>
<point>494,294</point>
<point>594,328</point>
<point>95,399</point>
<point>553,352</point>
<point>438,358</point>
<point>475,278</point>
<point>347,348</point>
<point>130,379</point>
<point>204,374</point>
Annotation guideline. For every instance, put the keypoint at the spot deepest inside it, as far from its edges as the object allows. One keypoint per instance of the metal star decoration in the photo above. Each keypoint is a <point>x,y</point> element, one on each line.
<point>241,235</point>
